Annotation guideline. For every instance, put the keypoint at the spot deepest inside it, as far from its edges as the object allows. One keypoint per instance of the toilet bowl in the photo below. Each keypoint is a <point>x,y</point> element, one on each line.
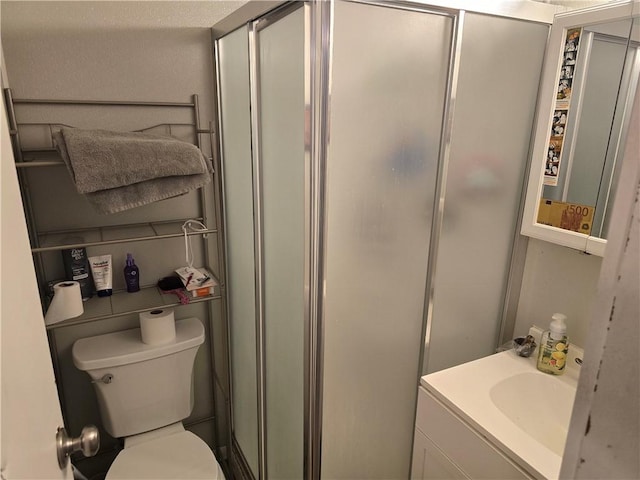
<point>172,453</point>
<point>144,392</point>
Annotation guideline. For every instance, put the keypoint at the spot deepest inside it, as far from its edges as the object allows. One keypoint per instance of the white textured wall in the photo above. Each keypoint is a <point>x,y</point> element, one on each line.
<point>557,279</point>
<point>141,50</point>
<point>162,64</point>
<point>91,14</point>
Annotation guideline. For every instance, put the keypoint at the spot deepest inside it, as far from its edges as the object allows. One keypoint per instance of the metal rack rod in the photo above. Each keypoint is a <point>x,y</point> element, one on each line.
<point>117,103</point>
<point>48,163</point>
<point>150,127</point>
<point>118,226</point>
<point>102,229</point>
<point>44,163</point>
<point>116,241</point>
<point>13,125</point>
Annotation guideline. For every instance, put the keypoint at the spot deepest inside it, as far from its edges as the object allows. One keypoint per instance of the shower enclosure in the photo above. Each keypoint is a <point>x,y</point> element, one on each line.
<point>373,160</point>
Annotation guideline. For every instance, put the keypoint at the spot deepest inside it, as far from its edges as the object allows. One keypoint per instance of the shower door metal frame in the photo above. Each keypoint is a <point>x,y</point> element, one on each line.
<point>322,17</point>
<point>441,182</point>
<point>258,253</point>
<point>315,80</point>
<point>220,155</point>
<point>318,50</point>
<point>318,60</point>
<point>318,21</point>
<point>254,26</point>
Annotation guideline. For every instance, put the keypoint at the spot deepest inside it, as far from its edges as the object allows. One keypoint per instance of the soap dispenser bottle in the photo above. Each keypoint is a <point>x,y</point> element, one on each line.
<point>554,346</point>
<point>131,275</point>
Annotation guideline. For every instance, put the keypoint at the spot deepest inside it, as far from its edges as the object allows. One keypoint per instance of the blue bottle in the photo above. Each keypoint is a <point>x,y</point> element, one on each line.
<point>131,275</point>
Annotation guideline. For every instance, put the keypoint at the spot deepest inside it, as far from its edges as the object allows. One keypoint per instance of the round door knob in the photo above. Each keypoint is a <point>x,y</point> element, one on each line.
<point>88,443</point>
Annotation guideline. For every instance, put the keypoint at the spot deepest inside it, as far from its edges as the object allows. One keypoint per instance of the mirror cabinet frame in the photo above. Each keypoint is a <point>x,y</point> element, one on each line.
<point>563,22</point>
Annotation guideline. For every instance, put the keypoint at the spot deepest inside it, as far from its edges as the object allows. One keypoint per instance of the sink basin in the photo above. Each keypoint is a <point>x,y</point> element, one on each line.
<point>537,403</point>
<point>523,412</point>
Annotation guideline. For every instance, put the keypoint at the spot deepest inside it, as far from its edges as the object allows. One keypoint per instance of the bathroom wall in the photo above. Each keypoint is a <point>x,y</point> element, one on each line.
<point>557,279</point>
<point>143,51</point>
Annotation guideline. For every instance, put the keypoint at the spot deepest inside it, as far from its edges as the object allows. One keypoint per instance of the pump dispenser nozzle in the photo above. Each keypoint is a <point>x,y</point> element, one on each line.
<point>558,325</point>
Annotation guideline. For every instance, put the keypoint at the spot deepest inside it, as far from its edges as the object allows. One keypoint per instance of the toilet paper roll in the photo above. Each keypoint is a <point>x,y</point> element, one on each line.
<point>157,327</point>
<point>66,303</point>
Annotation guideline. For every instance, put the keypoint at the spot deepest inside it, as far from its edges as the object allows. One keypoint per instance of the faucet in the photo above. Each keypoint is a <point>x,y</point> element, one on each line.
<point>524,346</point>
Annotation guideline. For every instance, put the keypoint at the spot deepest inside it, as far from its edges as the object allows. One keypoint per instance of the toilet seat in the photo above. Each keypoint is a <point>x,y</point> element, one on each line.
<point>178,456</point>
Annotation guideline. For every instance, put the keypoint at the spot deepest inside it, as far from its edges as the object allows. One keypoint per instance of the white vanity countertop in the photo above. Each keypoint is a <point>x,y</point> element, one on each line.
<point>467,390</point>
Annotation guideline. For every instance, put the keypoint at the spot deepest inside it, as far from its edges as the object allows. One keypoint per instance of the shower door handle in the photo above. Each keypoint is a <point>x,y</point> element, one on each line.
<point>88,443</point>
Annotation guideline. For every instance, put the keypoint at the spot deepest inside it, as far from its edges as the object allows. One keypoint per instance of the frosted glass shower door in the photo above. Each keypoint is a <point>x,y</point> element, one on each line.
<point>281,77</point>
<point>389,80</point>
<point>233,86</point>
<point>487,164</point>
<point>261,70</point>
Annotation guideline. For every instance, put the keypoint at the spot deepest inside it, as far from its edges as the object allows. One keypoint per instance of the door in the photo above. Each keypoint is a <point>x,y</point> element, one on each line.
<point>30,411</point>
<point>388,91</point>
<point>268,386</point>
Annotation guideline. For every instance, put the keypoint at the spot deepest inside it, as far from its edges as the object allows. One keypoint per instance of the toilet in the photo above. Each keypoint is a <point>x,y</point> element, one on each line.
<point>144,392</point>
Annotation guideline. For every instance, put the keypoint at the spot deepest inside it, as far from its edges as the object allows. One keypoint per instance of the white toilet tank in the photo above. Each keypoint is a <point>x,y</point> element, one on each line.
<point>141,387</point>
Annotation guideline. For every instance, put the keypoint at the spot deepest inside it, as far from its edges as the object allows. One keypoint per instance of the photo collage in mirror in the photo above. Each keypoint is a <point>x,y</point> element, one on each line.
<point>561,112</point>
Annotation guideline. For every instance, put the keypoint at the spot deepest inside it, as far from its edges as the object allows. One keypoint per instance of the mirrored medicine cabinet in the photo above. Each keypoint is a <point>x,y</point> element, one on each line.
<point>588,86</point>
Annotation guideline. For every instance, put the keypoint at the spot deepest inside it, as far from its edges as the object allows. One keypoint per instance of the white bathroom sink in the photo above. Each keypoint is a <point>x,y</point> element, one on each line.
<point>522,411</point>
<point>537,403</point>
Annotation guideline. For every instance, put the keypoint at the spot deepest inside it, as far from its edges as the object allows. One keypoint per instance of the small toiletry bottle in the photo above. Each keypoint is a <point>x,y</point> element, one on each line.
<point>76,266</point>
<point>554,346</point>
<point>131,275</point>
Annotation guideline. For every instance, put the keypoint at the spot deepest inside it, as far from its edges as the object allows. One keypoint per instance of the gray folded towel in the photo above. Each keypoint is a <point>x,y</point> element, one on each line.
<point>117,171</point>
<point>124,198</point>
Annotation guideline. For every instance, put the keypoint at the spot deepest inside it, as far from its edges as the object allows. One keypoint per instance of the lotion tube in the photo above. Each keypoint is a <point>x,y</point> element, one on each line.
<point>101,269</point>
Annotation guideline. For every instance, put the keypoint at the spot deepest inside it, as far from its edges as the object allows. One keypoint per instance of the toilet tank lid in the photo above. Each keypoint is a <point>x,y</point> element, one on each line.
<point>125,347</point>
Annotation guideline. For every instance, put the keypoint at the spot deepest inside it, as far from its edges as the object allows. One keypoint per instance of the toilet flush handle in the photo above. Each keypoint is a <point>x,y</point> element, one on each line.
<point>106,378</point>
<point>88,443</point>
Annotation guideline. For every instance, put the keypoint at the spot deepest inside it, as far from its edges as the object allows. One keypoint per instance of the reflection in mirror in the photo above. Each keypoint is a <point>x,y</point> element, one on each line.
<point>625,103</point>
<point>598,75</point>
